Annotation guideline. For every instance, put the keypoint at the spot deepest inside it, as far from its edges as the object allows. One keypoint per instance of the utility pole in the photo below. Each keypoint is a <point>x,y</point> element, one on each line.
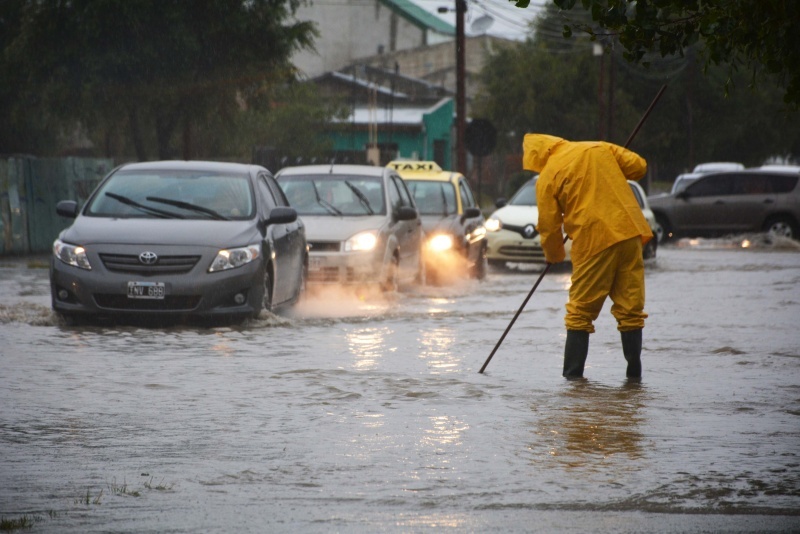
<point>461,153</point>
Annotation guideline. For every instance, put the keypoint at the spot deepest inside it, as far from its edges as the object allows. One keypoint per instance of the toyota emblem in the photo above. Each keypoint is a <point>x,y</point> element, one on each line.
<point>148,258</point>
<point>529,231</point>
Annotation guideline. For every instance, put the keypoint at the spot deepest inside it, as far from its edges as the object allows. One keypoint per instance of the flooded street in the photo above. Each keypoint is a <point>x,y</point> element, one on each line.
<point>352,414</point>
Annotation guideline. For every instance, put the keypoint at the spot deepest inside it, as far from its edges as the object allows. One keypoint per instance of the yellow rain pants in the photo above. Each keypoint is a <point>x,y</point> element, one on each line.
<point>616,272</point>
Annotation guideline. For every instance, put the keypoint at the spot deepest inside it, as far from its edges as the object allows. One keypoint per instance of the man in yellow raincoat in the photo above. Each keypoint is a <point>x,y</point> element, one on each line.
<point>582,187</point>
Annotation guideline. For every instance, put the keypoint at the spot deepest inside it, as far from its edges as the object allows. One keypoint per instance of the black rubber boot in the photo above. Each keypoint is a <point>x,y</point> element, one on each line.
<point>632,349</point>
<point>575,350</point>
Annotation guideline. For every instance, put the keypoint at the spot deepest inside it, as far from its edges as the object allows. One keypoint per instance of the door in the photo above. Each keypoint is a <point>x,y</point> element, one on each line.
<point>409,234</point>
<point>470,225</point>
<point>707,207</point>
<point>287,242</point>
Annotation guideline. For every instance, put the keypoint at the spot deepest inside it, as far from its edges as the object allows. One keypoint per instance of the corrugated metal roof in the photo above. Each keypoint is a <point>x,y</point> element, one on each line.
<point>419,16</point>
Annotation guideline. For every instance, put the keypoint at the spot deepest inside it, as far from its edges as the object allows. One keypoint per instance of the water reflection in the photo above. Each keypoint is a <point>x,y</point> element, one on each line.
<point>592,424</point>
<point>367,346</point>
<point>445,431</point>
<point>438,350</point>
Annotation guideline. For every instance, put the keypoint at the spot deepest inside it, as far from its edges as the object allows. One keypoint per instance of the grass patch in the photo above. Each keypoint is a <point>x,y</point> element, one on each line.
<point>123,489</point>
<point>38,264</point>
<point>159,486</point>
<point>25,521</point>
<point>88,499</point>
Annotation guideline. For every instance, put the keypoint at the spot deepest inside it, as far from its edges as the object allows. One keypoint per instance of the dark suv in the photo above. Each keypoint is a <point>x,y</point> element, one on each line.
<point>765,199</point>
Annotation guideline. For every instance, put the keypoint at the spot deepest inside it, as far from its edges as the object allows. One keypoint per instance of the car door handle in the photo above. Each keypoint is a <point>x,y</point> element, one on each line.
<point>719,202</point>
<point>769,201</point>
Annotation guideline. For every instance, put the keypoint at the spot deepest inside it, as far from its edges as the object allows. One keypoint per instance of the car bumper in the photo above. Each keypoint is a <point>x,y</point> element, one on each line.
<point>102,291</point>
<point>505,245</point>
<point>346,268</point>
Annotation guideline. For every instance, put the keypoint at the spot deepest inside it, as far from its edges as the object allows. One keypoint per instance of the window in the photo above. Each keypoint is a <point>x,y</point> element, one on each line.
<point>467,200</point>
<point>404,194</point>
<point>277,192</point>
<point>711,186</point>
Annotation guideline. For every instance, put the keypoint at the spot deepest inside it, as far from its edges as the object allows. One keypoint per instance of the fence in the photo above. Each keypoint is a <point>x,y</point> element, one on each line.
<point>31,187</point>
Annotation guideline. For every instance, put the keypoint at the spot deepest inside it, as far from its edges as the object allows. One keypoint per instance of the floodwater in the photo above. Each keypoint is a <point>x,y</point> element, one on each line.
<point>352,414</point>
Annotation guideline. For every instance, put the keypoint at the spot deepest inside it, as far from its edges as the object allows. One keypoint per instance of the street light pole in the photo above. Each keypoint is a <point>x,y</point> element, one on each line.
<point>461,154</point>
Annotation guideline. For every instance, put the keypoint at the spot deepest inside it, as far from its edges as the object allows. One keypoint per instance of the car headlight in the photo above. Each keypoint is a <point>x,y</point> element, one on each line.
<point>71,254</point>
<point>235,257</point>
<point>493,225</point>
<point>440,243</point>
<point>362,242</point>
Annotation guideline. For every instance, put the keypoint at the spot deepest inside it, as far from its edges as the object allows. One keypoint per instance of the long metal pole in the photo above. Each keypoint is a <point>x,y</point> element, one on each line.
<point>461,98</point>
<point>547,265</point>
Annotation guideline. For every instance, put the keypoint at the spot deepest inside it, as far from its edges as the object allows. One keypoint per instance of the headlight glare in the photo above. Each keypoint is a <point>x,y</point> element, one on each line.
<point>71,255</point>
<point>493,225</point>
<point>235,257</point>
<point>440,243</point>
<point>362,241</point>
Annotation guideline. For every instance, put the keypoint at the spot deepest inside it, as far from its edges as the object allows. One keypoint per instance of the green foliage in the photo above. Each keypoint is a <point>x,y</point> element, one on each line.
<point>555,86</point>
<point>158,70</point>
<point>759,36</point>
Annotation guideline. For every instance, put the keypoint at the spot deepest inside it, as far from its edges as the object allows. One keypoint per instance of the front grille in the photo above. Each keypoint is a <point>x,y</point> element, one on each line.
<point>129,263</point>
<point>522,253</point>
<point>521,230</point>
<point>167,304</point>
<point>325,274</point>
<point>324,246</point>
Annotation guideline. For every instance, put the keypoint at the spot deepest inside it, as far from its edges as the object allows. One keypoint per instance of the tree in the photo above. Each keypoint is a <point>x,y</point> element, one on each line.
<point>757,35</point>
<point>558,86</point>
<point>158,69</point>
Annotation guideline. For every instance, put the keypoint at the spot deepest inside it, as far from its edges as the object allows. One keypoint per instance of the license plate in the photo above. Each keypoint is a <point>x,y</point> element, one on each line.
<point>315,264</point>
<point>146,290</point>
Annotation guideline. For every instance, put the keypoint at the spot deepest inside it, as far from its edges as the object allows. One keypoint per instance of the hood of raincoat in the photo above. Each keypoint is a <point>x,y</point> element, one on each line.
<point>536,150</point>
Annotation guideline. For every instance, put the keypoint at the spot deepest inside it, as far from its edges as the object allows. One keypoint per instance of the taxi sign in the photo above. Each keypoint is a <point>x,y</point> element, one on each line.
<point>415,166</point>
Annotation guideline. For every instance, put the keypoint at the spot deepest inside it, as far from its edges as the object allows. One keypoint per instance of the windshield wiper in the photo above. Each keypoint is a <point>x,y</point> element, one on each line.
<point>361,196</point>
<point>189,206</point>
<point>147,209</point>
<point>324,203</point>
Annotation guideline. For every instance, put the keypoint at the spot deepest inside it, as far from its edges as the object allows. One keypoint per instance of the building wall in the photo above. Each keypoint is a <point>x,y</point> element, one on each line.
<point>354,29</point>
<point>436,63</point>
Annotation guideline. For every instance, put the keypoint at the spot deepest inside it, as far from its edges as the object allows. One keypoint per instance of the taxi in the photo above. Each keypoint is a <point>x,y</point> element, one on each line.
<point>455,236</point>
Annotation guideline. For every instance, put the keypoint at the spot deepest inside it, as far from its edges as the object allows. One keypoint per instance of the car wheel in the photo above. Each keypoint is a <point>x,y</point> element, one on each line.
<point>266,300</point>
<point>499,265</point>
<point>663,229</point>
<point>73,319</point>
<point>389,284</point>
<point>782,226</point>
<point>303,285</point>
<point>481,265</point>
<point>649,251</point>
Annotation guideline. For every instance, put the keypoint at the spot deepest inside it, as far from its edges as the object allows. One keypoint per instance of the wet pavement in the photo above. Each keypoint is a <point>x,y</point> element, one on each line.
<point>364,414</point>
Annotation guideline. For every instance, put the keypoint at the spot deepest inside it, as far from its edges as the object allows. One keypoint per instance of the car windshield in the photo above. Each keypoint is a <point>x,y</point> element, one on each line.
<point>433,198</point>
<point>334,194</point>
<point>174,194</point>
<point>526,196</point>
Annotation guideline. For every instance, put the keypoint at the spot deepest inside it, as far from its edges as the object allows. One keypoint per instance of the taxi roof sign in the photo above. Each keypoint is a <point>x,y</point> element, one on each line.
<point>418,166</point>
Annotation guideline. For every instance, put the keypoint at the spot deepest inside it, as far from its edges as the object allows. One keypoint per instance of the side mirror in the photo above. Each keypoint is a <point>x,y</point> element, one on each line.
<point>282,215</point>
<point>683,195</point>
<point>501,202</point>
<point>67,208</point>
<point>471,213</point>
<point>406,213</point>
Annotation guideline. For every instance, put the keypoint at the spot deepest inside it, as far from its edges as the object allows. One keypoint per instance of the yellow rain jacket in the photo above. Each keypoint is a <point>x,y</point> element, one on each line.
<point>586,181</point>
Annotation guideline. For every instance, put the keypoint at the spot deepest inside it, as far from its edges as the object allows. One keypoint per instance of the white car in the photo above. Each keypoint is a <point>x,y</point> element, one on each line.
<point>511,230</point>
